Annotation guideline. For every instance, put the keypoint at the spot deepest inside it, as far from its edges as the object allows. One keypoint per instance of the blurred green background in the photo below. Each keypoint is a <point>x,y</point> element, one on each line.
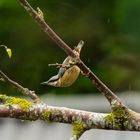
<point>110,29</point>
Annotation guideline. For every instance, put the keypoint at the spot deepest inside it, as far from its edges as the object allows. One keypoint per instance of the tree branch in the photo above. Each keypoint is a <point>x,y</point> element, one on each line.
<point>57,65</point>
<point>81,120</point>
<point>24,91</point>
<point>46,28</point>
<point>112,98</point>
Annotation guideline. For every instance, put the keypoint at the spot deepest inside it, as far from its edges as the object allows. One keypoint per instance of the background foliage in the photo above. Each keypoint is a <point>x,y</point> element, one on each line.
<point>110,29</point>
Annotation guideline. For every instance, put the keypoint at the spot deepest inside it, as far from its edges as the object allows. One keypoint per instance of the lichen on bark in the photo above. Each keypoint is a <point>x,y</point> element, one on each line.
<point>46,116</point>
<point>119,117</point>
<point>10,101</point>
<point>78,128</point>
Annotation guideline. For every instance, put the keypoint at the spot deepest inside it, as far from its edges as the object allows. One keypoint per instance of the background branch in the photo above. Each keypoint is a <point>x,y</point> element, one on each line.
<point>24,91</point>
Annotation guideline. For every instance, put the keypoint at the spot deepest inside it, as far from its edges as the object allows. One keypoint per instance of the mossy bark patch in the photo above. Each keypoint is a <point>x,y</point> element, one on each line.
<point>3,98</point>
<point>46,116</point>
<point>78,128</point>
<point>118,117</point>
<point>24,104</point>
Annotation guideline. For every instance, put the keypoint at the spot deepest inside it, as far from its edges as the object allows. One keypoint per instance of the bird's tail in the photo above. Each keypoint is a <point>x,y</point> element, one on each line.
<point>44,83</point>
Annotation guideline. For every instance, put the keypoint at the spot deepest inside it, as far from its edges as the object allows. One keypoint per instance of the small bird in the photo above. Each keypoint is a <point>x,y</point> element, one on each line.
<point>68,72</point>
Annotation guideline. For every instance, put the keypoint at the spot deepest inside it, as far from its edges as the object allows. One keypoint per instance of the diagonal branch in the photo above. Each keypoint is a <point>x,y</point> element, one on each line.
<point>112,98</point>
<point>24,91</point>
<point>46,28</point>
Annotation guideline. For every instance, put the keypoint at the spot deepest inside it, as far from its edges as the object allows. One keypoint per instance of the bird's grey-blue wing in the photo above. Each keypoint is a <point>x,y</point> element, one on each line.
<point>63,69</point>
<point>61,72</point>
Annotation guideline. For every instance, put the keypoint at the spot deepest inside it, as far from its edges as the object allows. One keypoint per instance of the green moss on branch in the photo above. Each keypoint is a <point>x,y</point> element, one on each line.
<point>10,101</point>
<point>78,128</point>
<point>119,117</point>
<point>46,116</point>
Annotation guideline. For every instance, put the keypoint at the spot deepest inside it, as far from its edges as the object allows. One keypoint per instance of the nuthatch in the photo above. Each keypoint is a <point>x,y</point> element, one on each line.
<point>69,72</point>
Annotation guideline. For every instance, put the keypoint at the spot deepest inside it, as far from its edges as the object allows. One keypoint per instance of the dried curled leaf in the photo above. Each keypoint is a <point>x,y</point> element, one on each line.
<point>8,50</point>
<point>40,13</point>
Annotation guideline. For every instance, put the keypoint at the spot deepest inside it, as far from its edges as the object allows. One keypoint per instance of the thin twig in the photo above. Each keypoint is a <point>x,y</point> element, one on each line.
<point>24,91</point>
<point>55,65</point>
<point>58,65</point>
<point>112,98</point>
